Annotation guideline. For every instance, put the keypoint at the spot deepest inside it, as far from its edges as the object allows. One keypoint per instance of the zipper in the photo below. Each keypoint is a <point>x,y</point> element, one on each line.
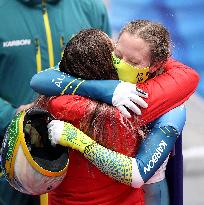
<point>48,34</point>
<point>44,197</point>
<point>38,55</point>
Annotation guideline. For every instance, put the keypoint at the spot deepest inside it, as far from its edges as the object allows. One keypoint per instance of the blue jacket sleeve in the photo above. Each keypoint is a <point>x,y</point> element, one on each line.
<point>159,143</point>
<point>52,82</point>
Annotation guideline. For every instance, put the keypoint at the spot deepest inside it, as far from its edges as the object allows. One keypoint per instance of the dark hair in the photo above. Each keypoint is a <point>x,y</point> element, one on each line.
<point>100,121</point>
<point>88,55</point>
<point>155,34</point>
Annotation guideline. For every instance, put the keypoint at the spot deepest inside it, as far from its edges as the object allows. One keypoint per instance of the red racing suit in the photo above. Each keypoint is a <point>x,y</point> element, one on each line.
<point>84,184</point>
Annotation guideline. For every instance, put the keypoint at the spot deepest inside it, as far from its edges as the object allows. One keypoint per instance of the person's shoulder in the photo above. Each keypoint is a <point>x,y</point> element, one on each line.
<point>68,107</point>
<point>92,4</point>
<point>3,2</point>
<point>68,100</point>
<point>9,4</point>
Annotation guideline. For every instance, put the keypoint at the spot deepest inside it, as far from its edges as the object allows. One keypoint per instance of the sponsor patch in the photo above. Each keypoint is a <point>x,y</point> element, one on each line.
<point>22,42</point>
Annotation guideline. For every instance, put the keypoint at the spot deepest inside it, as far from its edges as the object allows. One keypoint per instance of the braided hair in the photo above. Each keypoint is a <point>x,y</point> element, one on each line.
<point>155,34</point>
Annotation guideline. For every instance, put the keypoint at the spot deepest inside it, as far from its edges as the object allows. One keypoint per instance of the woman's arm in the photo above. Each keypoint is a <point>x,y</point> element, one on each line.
<point>165,92</point>
<point>132,171</point>
<point>52,82</point>
<point>168,90</point>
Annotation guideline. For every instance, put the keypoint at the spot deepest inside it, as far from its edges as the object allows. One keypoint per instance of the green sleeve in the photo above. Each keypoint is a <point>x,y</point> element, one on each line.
<point>7,112</point>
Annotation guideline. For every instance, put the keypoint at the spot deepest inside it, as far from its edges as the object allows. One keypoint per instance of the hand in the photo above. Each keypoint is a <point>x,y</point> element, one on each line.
<point>67,135</point>
<point>128,95</point>
<point>55,129</point>
<point>24,107</point>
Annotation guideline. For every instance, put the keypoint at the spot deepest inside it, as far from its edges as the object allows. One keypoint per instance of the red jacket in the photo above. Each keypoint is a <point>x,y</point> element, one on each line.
<point>168,90</point>
<point>84,183</point>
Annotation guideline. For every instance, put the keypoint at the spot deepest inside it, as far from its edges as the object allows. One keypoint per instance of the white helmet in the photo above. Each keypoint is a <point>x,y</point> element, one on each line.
<point>29,161</point>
